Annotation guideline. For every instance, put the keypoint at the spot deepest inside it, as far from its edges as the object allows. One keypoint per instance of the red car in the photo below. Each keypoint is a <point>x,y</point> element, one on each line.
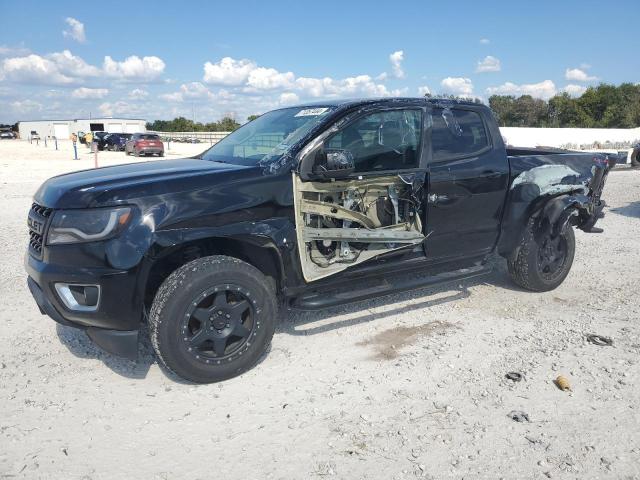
<point>144,144</point>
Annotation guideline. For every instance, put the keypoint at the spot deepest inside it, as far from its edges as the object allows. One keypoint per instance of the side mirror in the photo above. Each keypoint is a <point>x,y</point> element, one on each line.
<point>333,163</point>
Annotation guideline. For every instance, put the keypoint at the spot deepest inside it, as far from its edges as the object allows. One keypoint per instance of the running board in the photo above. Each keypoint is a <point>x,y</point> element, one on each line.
<point>318,300</point>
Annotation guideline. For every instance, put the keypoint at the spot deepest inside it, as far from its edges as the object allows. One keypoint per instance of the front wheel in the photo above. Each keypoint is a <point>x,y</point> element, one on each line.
<point>542,262</point>
<point>212,319</point>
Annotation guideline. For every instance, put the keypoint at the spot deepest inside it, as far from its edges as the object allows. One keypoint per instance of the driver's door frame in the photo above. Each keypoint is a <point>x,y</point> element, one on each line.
<point>419,174</point>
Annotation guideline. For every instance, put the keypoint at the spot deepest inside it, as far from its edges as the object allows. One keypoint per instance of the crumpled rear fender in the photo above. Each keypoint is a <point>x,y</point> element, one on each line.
<point>550,213</point>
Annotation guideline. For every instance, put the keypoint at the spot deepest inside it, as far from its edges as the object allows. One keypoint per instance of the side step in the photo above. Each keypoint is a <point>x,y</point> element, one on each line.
<point>317,300</point>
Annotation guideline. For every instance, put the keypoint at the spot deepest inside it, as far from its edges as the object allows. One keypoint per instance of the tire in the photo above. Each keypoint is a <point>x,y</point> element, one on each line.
<point>209,351</point>
<point>530,271</point>
<point>161,154</point>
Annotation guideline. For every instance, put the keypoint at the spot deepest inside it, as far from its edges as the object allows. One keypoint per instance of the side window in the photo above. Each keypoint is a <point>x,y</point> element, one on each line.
<point>382,140</point>
<point>457,132</point>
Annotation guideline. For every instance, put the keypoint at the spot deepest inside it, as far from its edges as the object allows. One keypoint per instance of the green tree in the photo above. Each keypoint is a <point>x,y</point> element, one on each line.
<point>182,124</point>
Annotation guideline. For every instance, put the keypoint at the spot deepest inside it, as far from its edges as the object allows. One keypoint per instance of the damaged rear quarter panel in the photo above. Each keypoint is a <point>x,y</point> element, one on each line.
<point>536,181</point>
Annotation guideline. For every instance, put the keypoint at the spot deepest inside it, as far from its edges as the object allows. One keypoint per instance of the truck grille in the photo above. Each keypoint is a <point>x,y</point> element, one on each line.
<point>37,221</point>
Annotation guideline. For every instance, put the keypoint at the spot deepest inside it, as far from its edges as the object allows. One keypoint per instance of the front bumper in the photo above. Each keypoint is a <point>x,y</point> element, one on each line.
<point>113,325</point>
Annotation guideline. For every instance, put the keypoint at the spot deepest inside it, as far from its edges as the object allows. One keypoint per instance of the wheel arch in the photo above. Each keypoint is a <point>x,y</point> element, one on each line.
<point>164,258</point>
<point>549,211</point>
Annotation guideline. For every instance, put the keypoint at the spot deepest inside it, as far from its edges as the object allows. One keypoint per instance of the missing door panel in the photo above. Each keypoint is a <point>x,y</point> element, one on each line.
<point>343,223</point>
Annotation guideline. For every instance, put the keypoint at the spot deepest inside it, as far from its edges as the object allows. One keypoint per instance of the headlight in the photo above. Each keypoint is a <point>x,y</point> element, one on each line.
<point>75,226</point>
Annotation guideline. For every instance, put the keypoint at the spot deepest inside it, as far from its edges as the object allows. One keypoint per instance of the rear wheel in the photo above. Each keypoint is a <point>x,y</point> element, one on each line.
<point>542,261</point>
<point>212,319</point>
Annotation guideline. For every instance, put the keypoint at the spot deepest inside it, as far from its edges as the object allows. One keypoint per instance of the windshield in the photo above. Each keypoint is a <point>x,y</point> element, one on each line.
<point>268,137</point>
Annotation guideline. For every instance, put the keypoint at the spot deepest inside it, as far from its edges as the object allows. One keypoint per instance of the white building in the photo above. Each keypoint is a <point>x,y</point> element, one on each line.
<point>62,129</point>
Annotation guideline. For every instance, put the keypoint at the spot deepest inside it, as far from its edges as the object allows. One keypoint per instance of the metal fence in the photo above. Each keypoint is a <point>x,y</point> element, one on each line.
<point>192,137</point>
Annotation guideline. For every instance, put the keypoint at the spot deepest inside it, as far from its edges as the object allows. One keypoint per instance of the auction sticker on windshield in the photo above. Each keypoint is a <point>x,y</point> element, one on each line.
<point>311,112</point>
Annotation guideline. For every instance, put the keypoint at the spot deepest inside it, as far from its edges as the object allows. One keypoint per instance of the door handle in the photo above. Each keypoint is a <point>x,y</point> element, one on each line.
<point>434,198</point>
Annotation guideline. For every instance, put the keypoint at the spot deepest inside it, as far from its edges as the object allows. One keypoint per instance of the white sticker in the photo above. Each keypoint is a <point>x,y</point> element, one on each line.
<point>311,112</point>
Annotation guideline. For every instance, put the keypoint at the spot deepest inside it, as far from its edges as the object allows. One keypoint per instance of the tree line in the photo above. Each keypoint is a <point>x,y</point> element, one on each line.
<point>181,124</point>
<point>604,106</point>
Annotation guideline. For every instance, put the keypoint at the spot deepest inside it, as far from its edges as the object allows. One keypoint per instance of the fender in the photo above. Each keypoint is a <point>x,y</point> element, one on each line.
<point>550,212</point>
<point>274,237</point>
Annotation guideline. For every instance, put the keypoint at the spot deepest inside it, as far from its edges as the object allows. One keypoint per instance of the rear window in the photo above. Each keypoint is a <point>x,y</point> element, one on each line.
<point>149,136</point>
<point>457,133</point>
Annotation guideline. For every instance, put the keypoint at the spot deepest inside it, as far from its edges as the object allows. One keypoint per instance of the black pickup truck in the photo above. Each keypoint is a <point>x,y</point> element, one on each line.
<point>305,207</point>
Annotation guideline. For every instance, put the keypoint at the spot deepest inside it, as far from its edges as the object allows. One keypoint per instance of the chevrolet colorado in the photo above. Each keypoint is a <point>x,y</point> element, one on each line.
<point>305,207</point>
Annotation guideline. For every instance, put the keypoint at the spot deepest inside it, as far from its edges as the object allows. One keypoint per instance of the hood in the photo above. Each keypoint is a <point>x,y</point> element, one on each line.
<point>119,184</point>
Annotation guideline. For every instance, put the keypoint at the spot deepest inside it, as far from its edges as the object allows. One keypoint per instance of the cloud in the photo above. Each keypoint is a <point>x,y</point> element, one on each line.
<point>578,75</point>
<point>59,68</point>
<point>424,90</point>
<point>188,92</point>
<point>489,64</point>
<point>545,89</point>
<point>33,69</point>
<point>76,30</point>
<point>574,90</point>
<point>289,98</point>
<point>457,86</point>
<point>396,59</point>
<point>228,71</point>
<point>138,94</point>
<point>350,86</point>
<point>269,78</point>
<point>73,65</point>
<point>485,41</point>
<point>134,68</point>
<point>7,51</point>
<point>24,106</point>
<point>92,93</point>
<point>122,108</point>
<point>253,79</point>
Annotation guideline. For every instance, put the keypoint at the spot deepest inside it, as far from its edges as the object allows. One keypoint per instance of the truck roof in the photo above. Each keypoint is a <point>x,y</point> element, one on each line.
<point>352,102</point>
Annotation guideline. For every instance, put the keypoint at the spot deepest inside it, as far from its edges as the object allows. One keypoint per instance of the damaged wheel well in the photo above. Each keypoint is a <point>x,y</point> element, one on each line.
<point>549,216</point>
<point>172,258</point>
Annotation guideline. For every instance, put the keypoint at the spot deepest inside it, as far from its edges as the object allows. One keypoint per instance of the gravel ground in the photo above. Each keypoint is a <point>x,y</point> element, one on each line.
<point>405,386</point>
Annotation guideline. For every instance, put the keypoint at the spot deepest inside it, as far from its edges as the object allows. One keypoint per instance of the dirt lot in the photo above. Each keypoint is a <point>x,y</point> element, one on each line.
<point>405,386</point>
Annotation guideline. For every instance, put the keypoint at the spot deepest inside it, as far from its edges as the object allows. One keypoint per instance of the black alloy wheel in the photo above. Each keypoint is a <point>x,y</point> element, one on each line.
<point>552,256</point>
<point>219,324</point>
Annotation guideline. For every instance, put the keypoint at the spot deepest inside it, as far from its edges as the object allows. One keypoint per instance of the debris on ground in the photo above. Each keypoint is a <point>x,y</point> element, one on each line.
<point>599,340</point>
<point>514,376</point>
<point>518,416</point>
<point>563,383</point>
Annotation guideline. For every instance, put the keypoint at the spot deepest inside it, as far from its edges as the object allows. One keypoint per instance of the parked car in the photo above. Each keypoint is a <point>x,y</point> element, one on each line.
<point>116,141</point>
<point>635,155</point>
<point>98,139</point>
<point>357,199</point>
<point>34,135</point>
<point>144,144</point>
<point>7,135</point>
